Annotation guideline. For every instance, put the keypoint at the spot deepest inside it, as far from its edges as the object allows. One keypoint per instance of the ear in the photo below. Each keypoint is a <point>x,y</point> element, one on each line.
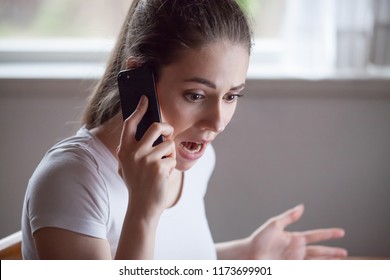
<point>132,63</point>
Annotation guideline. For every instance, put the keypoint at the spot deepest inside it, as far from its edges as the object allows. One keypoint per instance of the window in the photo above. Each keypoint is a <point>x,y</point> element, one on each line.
<point>61,18</point>
<point>322,37</point>
<point>57,39</point>
<point>293,37</point>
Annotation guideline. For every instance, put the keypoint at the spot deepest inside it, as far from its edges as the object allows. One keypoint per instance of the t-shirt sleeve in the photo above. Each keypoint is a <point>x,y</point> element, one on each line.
<point>66,191</point>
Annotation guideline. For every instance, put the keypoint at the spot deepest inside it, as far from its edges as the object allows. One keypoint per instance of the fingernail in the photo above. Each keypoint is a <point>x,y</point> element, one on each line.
<point>299,206</point>
<point>142,101</point>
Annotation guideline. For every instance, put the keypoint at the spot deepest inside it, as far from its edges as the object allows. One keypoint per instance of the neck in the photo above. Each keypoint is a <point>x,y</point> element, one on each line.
<point>109,133</point>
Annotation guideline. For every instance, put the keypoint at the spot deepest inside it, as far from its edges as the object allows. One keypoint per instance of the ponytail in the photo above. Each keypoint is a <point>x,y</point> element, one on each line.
<point>104,103</point>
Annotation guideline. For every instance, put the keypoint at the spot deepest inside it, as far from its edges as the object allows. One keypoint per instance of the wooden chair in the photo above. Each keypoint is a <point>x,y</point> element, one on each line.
<point>11,247</point>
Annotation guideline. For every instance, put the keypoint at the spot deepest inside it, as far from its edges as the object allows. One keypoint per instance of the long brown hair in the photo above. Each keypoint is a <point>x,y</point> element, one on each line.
<point>154,32</point>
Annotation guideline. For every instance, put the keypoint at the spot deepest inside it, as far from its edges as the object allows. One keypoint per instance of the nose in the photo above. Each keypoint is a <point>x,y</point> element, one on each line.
<point>214,119</point>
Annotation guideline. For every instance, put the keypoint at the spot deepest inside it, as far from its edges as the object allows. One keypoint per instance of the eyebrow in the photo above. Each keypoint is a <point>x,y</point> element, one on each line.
<point>212,85</point>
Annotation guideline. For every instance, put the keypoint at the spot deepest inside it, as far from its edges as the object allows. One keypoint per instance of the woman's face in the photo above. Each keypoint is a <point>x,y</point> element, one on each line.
<point>198,96</point>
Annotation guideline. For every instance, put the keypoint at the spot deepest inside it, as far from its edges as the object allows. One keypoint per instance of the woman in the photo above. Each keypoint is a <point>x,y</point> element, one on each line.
<point>78,206</point>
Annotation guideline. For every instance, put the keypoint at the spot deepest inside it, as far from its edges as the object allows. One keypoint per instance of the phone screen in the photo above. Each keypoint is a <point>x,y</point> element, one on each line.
<point>132,85</point>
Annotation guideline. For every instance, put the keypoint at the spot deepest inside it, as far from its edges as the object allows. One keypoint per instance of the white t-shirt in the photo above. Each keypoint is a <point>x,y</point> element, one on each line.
<point>76,187</point>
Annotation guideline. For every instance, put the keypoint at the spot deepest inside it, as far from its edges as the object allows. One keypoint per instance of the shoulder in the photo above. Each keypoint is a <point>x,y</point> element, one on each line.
<point>70,156</point>
<point>69,170</point>
<point>67,191</point>
<point>81,154</point>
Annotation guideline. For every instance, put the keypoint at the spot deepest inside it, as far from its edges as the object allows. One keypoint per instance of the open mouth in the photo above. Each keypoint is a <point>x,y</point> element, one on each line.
<point>191,147</point>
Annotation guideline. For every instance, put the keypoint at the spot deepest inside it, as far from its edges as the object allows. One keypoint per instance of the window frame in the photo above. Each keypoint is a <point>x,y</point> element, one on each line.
<point>86,59</point>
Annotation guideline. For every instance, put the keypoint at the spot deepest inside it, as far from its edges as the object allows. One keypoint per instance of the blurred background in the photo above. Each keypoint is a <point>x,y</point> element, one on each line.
<point>313,127</point>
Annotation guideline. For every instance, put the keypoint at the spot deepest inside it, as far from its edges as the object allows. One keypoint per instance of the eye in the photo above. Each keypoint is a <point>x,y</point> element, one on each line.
<point>194,96</point>
<point>230,98</point>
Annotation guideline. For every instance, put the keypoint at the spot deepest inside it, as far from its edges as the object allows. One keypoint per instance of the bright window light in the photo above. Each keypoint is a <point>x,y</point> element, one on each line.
<point>292,37</point>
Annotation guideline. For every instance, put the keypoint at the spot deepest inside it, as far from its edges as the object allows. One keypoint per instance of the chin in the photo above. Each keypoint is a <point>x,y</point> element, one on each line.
<point>184,166</point>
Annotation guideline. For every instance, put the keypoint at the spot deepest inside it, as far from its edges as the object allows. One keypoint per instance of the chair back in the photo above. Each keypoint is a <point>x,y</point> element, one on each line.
<point>11,247</point>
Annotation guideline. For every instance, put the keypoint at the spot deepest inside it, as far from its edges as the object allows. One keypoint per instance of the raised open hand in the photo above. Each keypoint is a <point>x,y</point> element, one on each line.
<point>272,241</point>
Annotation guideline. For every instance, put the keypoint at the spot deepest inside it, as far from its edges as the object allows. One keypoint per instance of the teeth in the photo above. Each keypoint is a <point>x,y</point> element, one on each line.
<point>192,147</point>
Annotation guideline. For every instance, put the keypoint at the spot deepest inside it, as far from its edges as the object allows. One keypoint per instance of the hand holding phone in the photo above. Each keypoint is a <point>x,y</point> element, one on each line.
<point>145,170</point>
<point>132,85</point>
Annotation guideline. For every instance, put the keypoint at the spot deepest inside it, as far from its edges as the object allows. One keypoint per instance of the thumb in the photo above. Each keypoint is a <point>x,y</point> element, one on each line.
<point>291,216</point>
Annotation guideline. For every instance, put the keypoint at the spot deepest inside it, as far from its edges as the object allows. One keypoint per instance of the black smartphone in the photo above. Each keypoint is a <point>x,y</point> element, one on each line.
<point>132,85</point>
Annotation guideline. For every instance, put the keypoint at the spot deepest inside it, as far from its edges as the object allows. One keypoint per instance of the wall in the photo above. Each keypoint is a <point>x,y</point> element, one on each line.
<point>322,143</point>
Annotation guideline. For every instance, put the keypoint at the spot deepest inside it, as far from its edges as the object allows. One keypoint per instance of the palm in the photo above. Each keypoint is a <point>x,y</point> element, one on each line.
<point>272,241</point>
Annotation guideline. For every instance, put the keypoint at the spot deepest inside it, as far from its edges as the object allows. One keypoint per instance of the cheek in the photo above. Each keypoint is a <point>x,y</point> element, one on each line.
<point>229,113</point>
<point>176,117</point>
<point>168,109</point>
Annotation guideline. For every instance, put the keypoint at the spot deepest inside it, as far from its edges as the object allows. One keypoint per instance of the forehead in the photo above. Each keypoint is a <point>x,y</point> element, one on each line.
<point>221,62</point>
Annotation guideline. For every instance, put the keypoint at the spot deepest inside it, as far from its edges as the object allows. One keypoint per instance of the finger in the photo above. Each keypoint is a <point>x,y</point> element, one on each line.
<point>170,156</point>
<point>290,216</point>
<point>170,163</point>
<point>163,150</point>
<point>131,123</point>
<point>317,235</point>
<point>132,63</point>
<point>155,131</point>
<point>166,153</point>
<point>296,250</point>
<point>325,252</point>
<point>322,258</point>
